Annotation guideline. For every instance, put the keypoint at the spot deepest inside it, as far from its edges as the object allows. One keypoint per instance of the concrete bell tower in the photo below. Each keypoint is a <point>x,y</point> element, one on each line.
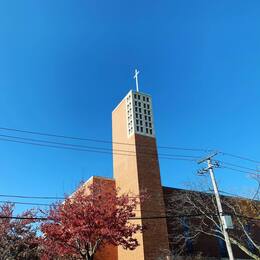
<point>136,168</point>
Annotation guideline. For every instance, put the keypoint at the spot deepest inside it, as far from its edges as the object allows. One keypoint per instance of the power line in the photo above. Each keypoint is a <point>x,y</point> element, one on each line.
<point>23,218</point>
<point>66,197</point>
<point>133,218</point>
<point>233,195</point>
<point>25,203</point>
<point>237,170</point>
<point>98,140</point>
<point>49,205</point>
<point>122,143</point>
<point>244,198</point>
<point>235,165</point>
<point>236,195</point>
<point>241,157</point>
<point>32,197</point>
<point>89,150</point>
<point>91,147</point>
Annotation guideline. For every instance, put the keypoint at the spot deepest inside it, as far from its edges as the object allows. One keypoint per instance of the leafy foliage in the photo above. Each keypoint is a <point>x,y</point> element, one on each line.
<point>91,218</point>
<point>18,239</point>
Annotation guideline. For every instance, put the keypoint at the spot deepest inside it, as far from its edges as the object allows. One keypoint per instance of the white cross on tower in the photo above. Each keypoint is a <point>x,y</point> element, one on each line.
<point>136,79</point>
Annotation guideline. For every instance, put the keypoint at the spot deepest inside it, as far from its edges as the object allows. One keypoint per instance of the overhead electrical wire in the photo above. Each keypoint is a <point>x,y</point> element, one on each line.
<point>132,218</point>
<point>104,150</point>
<point>175,157</point>
<point>122,143</point>
<point>100,140</point>
<point>237,170</point>
<point>91,147</point>
<point>66,146</point>
<point>232,194</point>
<point>25,203</point>
<point>235,165</point>
<point>84,148</point>
<point>32,197</point>
<point>240,157</point>
<point>64,197</point>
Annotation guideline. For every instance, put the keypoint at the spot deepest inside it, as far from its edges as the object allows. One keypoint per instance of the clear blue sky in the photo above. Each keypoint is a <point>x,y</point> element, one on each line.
<point>64,66</point>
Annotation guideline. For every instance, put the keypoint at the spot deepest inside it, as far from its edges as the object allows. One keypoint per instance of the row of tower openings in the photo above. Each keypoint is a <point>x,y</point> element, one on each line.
<point>145,111</point>
<point>139,104</point>
<point>139,97</point>
<point>140,129</point>
<point>140,123</point>
<point>139,120</point>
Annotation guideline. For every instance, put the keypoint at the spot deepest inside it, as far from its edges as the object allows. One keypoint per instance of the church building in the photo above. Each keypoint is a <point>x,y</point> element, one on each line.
<point>135,169</point>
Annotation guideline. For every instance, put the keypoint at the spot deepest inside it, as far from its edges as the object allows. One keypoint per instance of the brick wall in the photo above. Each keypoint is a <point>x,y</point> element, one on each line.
<point>135,172</point>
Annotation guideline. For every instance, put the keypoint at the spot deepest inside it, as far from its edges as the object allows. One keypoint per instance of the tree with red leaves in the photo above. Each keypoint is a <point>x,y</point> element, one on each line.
<point>17,236</point>
<point>91,218</point>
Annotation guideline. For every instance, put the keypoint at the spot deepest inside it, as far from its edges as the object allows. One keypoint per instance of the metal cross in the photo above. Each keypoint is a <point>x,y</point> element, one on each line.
<point>136,79</point>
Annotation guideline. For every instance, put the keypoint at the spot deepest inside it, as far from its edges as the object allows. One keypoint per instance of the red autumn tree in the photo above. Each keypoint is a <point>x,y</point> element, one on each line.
<point>88,220</point>
<point>17,236</point>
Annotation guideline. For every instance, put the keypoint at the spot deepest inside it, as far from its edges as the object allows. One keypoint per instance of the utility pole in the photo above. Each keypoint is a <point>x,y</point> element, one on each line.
<point>223,218</point>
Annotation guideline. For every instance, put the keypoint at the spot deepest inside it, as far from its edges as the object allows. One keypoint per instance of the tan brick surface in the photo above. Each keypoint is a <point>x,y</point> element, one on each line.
<point>135,172</point>
<point>108,252</point>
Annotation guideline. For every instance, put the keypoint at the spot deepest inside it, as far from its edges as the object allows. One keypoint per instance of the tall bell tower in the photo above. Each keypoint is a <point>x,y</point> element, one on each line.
<point>136,169</point>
